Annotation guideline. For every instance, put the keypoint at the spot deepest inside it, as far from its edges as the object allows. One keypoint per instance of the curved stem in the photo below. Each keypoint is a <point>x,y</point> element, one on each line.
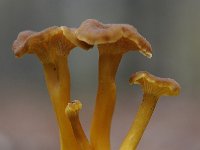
<point>72,111</point>
<point>141,121</point>
<point>105,101</point>
<point>58,82</point>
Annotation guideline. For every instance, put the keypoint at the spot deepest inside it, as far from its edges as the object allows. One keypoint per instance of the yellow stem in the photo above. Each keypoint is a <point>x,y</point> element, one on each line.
<point>58,83</point>
<point>72,111</point>
<point>105,101</point>
<point>141,121</point>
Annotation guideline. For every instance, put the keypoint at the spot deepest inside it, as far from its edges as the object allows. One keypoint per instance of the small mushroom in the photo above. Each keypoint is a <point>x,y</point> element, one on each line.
<point>72,111</point>
<point>113,41</point>
<point>153,87</point>
<point>52,46</point>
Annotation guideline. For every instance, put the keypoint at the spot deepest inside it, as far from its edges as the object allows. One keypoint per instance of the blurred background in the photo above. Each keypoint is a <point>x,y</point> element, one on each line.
<point>27,121</point>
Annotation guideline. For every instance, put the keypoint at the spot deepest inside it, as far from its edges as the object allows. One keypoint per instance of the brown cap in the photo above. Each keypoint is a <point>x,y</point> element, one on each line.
<point>120,37</point>
<point>69,33</point>
<point>156,86</point>
<point>47,44</point>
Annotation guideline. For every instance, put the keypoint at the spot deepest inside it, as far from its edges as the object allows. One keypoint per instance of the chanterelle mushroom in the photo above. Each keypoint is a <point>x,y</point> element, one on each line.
<point>72,111</point>
<point>113,41</point>
<point>52,46</point>
<point>153,87</point>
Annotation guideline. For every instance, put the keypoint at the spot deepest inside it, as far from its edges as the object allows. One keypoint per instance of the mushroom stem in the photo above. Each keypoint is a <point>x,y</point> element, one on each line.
<point>58,78</point>
<point>105,101</point>
<point>72,111</point>
<point>141,121</point>
<point>58,82</point>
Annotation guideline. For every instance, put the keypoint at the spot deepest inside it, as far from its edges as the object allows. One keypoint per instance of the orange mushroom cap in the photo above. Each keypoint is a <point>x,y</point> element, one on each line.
<point>47,44</point>
<point>121,37</point>
<point>156,86</point>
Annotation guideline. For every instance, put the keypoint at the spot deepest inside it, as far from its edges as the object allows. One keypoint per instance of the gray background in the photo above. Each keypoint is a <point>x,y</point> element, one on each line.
<point>27,121</point>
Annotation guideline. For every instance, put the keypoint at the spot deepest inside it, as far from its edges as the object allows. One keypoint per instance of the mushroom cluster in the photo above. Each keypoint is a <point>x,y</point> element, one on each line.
<point>53,45</point>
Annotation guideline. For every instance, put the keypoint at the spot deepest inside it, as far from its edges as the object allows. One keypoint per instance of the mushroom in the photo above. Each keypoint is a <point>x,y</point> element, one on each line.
<point>113,41</point>
<point>72,111</point>
<point>52,46</point>
<point>153,87</point>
